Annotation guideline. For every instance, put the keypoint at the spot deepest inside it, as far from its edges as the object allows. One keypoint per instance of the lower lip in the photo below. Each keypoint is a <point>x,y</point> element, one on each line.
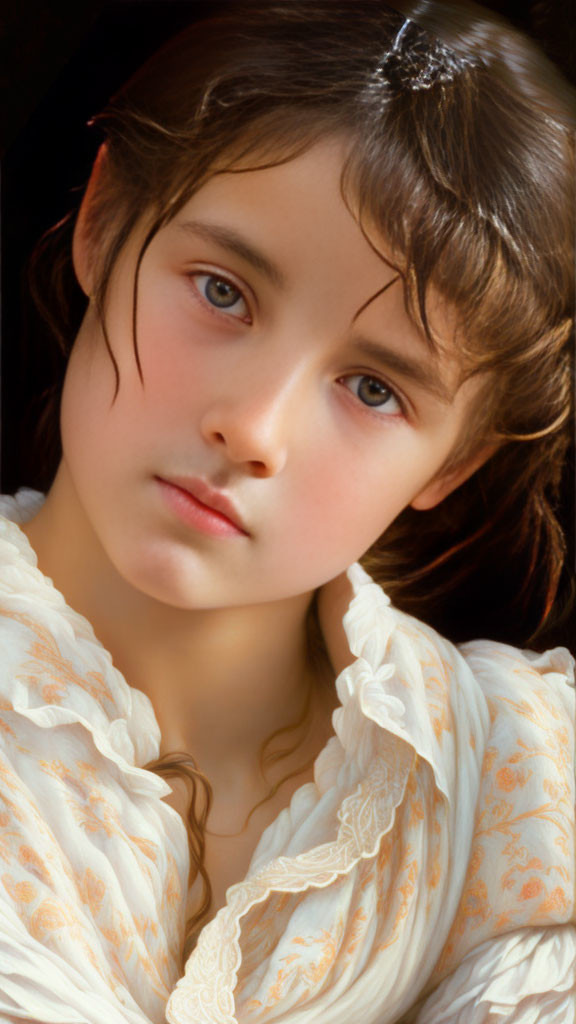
<point>195,514</point>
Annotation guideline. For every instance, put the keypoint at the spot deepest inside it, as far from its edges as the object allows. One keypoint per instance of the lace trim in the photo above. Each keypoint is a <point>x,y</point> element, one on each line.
<point>206,992</point>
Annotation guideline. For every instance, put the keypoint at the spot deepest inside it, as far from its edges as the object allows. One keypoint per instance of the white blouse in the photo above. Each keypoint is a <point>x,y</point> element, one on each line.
<point>425,876</point>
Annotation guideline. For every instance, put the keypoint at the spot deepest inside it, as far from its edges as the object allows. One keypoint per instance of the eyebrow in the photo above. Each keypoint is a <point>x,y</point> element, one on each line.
<point>229,239</point>
<point>424,375</point>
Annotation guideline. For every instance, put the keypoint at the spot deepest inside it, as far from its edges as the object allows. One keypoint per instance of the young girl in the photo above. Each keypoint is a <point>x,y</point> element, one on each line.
<point>325,254</point>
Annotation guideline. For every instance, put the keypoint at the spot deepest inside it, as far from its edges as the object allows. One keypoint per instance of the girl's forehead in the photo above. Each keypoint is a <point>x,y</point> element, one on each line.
<point>300,197</point>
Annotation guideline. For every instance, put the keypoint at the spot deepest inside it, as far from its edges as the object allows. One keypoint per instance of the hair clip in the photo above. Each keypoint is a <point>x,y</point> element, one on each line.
<point>416,61</point>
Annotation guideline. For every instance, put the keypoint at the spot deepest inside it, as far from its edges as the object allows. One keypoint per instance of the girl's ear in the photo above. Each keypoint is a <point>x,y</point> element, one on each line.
<point>443,485</point>
<point>82,255</point>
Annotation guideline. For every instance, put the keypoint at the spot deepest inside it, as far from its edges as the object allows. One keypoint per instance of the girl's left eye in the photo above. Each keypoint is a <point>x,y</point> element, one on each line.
<point>374,393</point>
<point>221,295</point>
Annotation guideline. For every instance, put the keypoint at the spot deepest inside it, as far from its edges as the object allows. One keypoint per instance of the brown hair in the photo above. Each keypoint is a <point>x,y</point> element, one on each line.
<point>468,176</point>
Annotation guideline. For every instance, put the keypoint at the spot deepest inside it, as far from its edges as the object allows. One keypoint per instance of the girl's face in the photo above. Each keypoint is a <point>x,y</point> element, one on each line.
<point>283,384</point>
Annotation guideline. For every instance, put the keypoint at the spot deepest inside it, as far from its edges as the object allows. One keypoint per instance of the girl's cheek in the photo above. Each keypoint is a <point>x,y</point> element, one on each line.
<point>175,360</point>
<point>336,505</point>
<point>177,394</point>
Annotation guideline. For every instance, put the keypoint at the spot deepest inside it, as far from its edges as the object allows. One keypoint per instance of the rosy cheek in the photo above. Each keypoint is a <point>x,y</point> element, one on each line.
<point>338,509</point>
<point>174,382</point>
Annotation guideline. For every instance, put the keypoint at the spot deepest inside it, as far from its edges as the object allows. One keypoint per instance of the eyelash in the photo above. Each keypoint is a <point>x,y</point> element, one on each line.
<point>212,308</point>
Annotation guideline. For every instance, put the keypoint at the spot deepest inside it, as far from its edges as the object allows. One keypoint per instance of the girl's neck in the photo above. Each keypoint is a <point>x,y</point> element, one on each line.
<point>221,681</point>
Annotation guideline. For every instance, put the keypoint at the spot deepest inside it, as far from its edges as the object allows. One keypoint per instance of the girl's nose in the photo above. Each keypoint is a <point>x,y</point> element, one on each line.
<point>251,430</point>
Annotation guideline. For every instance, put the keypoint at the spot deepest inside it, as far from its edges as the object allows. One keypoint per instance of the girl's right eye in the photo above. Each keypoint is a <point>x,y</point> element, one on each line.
<point>221,295</point>
<point>373,393</point>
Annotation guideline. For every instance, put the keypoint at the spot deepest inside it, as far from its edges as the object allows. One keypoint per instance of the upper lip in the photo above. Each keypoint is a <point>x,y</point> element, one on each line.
<point>210,497</point>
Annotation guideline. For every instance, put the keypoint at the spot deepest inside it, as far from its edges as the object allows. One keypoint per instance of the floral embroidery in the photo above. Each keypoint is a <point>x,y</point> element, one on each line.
<point>521,866</point>
<point>441,820</point>
<point>47,663</point>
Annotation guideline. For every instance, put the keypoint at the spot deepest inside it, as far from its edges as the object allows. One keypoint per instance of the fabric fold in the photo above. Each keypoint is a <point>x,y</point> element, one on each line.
<point>417,849</point>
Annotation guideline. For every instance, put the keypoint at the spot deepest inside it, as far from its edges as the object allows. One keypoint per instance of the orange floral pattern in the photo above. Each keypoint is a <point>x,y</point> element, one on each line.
<point>521,867</point>
<point>93,864</point>
<point>437,840</point>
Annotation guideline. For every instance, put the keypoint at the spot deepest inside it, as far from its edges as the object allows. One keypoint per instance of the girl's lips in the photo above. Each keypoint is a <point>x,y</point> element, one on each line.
<point>201,507</point>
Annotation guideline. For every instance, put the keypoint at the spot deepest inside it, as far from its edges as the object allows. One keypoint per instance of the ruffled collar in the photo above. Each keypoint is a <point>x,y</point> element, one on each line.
<point>397,681</point>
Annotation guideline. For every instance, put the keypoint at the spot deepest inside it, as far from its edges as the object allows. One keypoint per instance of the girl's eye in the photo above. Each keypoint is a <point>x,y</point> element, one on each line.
<point>221,294</point>
<point>373,393</point>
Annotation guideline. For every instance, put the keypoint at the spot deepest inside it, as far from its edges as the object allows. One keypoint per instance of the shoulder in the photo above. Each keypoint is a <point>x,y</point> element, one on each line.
<point>456,700</point>
<point>497,725</point>
<point>521,860</point>
<point>88,843</point>
<point>529,696</point>
<point>519,793</point>
<point>519,852</point>
<point>529,753</point>
<point>53,670</point>
<point>504,672</point>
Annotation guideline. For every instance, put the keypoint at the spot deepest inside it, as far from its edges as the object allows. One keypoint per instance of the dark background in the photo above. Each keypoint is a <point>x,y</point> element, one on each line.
<point>59,63</point>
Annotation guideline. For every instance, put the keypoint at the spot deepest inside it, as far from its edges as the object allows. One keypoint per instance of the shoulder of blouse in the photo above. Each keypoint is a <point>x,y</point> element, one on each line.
<point>54,670</point>
<point>521,870</point>
<point>94,862</point>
